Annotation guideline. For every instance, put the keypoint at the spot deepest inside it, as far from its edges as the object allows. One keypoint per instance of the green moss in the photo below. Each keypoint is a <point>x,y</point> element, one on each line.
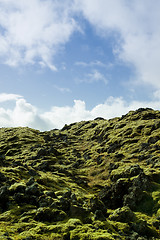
<point>87,232</point>
<point>120,227</point>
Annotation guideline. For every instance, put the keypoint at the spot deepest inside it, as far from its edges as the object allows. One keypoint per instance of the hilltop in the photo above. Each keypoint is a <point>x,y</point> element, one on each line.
<point>96,180</point>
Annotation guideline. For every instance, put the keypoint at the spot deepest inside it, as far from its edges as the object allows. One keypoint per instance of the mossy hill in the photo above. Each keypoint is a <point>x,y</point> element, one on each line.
<point>92,180</point>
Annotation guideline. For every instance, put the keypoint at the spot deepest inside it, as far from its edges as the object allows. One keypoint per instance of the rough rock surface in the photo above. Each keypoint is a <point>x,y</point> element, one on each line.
<point>96,180</point>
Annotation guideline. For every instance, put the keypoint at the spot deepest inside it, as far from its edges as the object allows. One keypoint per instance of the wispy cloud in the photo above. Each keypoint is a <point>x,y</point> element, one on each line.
<point>62,89</point>
<point>91,64</point>
<point>93,76</point>
<point>33,32</point>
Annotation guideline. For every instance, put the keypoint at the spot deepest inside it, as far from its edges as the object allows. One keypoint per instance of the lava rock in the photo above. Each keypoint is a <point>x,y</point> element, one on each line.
<point>98,215</point>
<point>2,178</point>
<point>78,211</point>
<point>4,197</point>
<point>46,214</point>
<point>64,204</point>
<point>123,214</point>
<point>33,190</point>
<point>45,201</point>
<point>97,204</point>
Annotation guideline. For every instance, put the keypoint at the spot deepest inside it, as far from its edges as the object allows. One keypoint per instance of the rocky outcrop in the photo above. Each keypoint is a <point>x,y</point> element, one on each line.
<point>94,180</point>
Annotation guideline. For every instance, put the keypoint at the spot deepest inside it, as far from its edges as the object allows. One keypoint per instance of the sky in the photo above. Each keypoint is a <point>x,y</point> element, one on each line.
<point>72,60</point>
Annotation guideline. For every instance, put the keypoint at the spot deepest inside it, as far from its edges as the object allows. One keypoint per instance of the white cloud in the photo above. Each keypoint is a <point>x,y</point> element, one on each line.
<point>134,24</point>
<point>34,32</point>
<point>25,114</point>
<point>59,116</point>
<point>22,114</point>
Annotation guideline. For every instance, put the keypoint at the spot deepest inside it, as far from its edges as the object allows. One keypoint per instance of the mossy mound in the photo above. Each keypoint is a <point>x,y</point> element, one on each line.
<point>96,180</point>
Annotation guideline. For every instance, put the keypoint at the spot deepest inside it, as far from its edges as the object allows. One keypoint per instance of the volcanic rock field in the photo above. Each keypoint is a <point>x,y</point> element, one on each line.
<point>91,180</point>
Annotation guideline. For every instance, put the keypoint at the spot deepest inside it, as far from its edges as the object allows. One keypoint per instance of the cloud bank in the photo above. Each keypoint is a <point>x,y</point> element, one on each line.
<point>25,114</point>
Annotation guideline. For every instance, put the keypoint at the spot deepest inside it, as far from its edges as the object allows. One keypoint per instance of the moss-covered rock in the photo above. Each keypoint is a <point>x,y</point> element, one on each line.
<point>94,180</point>
<point>123,214</point>
<point>46,214</point>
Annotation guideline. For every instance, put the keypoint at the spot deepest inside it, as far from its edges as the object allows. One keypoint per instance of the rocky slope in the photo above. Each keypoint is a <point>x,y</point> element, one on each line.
<point>96,180</point>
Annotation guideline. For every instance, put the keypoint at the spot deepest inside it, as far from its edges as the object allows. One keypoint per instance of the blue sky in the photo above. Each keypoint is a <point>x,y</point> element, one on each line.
<point>73,60</point>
